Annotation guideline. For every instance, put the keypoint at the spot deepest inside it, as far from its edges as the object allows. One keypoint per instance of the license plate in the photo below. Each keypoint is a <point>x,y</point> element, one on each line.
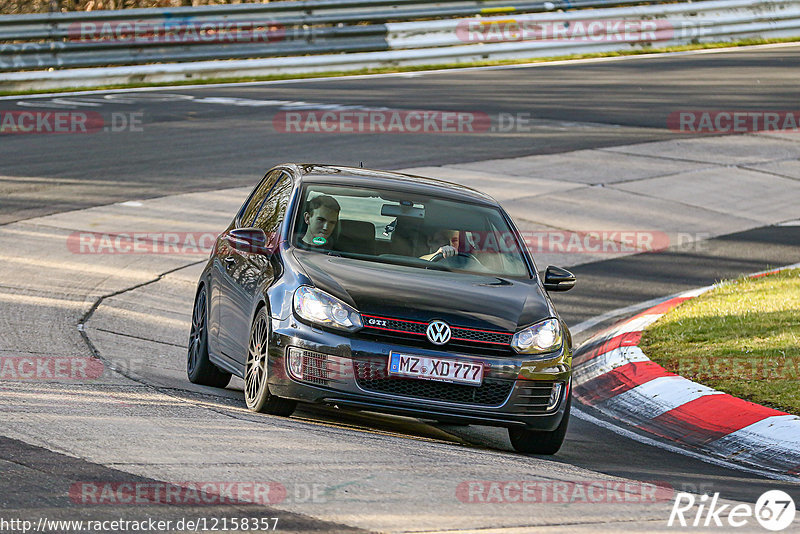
<point>439,369</point>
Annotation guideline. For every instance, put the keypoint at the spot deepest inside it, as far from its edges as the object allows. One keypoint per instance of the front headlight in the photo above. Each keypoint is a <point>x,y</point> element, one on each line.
<point>320,308</point>
<point>539,338</point>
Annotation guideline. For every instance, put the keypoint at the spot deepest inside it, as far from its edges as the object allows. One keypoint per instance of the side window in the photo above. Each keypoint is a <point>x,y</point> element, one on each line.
<point>273,210</point>
<point>257,199</point>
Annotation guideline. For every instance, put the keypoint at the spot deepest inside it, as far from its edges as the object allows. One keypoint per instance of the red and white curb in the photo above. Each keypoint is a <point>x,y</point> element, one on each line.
<point>614,376</point>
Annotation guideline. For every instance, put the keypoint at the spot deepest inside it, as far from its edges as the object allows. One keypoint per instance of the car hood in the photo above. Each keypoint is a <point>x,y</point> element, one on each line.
<point>468,300</point>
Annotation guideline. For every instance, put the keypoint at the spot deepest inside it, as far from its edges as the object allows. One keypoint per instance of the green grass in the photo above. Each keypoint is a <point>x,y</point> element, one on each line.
<point>417,68</point>
<point>742,338</point>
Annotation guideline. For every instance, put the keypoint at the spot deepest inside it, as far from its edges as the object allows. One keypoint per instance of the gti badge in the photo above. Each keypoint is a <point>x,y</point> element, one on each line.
<point>438,332</point>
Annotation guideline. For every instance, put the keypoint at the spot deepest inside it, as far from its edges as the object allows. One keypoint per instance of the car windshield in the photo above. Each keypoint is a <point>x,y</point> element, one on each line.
<point>380,225</point>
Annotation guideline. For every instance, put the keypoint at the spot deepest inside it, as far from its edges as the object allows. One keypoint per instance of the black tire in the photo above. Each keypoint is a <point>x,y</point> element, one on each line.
<point>199,368</point>
<point>541,441</point>
<point>256,387</point>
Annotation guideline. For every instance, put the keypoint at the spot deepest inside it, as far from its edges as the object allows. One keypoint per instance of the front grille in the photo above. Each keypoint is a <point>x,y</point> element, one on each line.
<point>461,336</point>
<point>534,395</point>
<point>481,336</point>
<point>372,376</point>
<point>387,324</point>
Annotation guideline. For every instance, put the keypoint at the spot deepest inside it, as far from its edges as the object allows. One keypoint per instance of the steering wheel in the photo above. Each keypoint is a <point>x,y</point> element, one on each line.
<point>439,256</point>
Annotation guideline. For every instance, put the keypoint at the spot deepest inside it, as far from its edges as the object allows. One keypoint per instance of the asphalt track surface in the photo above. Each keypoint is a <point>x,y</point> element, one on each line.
<point>188,146</point>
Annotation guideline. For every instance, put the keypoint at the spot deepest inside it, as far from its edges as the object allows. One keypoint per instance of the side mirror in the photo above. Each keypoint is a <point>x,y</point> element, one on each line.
<point>558,279</point>
<point>251,240</point>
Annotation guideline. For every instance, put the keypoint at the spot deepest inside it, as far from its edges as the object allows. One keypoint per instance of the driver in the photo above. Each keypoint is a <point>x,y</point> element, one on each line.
<point>321,217</point>
<point>443,241</point>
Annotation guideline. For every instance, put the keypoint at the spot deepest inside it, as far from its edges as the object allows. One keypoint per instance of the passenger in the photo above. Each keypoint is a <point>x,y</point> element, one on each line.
<point>321,217</point>
<point>442,241</point>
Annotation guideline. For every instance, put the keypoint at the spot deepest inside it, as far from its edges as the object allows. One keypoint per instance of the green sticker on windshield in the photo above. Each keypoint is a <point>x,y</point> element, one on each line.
<point>319,240</point>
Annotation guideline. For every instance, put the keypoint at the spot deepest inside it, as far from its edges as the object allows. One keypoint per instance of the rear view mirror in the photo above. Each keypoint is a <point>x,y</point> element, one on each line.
<point>558,279</point>
<point>401,210</point>
<point>252,240</point>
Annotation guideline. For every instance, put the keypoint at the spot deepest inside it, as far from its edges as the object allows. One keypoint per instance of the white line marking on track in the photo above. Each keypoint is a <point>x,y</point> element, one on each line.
<point>137,98</point>
<point>416,73</point>
<point>130,97</point>
<point>75,102</point>
<point>45,104</point>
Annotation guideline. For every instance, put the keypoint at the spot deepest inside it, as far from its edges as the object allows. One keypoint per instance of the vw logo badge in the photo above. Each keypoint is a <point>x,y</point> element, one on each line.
<point>438,332</point>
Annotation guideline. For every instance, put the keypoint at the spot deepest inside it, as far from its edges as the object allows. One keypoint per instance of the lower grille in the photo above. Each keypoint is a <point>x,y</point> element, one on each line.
<point>372,376</point>
<point>315,366</point>
<point>534,396</point>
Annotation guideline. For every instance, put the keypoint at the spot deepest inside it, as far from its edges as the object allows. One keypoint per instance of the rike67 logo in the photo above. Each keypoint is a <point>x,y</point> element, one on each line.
<point>774,510</point>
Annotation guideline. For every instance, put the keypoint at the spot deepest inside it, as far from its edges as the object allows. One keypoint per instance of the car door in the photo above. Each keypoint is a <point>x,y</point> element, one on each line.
<point>227,260</point>
<point>252,271</point>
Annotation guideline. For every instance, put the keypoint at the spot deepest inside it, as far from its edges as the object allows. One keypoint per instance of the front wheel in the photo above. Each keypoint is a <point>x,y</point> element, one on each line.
<point>256,390</point>
<point>199,368</point>
<point>541,441</point>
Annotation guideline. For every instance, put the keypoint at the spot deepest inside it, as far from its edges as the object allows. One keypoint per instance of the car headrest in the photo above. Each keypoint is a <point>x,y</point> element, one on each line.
<point>356,236</point>
<point>356,229</point>
<point>408,239</point>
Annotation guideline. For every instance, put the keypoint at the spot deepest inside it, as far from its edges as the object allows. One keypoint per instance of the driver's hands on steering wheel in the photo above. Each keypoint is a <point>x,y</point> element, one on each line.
<point>447,251</point>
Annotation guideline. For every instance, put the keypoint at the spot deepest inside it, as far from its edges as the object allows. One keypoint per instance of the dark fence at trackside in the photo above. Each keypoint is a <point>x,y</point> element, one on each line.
<point>236,31</point>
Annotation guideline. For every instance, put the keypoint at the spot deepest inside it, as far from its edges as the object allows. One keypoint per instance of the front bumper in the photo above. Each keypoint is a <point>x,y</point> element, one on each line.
<point>351,372</point>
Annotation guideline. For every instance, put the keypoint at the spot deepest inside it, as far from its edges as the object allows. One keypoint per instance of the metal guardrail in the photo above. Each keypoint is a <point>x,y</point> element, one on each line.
<point>141,36</point>
<point>302,37</point>
<point>663,24</point>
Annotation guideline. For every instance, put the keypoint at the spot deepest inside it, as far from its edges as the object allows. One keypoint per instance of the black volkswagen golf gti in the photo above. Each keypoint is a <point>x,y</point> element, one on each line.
<point>385,292</point>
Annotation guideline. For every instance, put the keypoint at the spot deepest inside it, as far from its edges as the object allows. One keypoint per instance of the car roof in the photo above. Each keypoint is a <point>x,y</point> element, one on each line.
<point>355,176</point>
